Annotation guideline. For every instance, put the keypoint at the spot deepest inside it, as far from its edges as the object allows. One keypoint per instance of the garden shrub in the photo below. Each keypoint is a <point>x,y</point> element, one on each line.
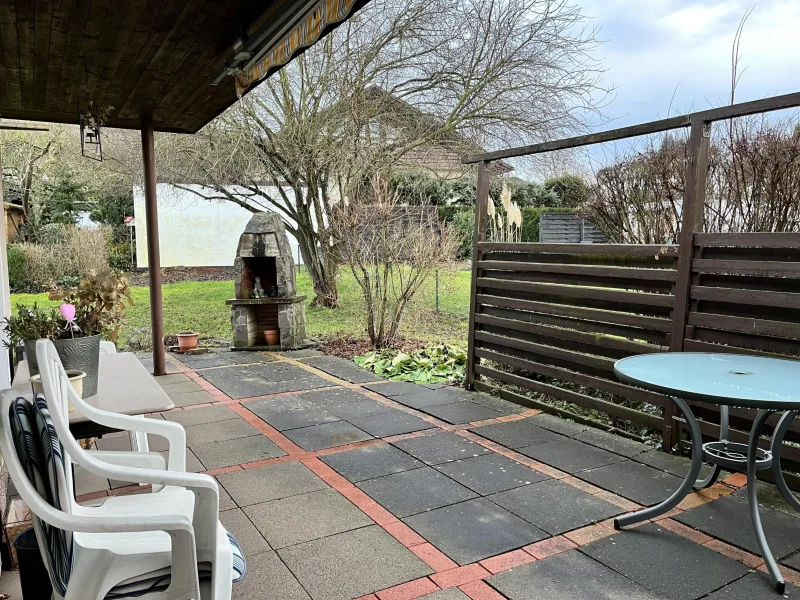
<point>16,268</point>
<point>119,256</point>
<point>462,219</point>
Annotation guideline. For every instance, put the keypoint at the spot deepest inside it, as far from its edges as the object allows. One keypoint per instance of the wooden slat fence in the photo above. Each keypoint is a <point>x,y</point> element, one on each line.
<point>567,312</point>
<point>553,318</point>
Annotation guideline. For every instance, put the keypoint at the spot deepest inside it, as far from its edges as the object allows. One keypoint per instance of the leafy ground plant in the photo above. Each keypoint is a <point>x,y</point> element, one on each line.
<point>432,364</point>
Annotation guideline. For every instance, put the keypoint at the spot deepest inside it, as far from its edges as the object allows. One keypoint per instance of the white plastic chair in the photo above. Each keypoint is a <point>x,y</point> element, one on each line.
<point>134,537</point>
<point>138,438</point>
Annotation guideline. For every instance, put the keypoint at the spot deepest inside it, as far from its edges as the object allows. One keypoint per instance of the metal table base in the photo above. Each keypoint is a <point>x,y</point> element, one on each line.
<point>732,456</point>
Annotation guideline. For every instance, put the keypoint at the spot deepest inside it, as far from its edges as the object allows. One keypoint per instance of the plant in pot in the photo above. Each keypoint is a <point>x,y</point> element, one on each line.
<point>95,308</point>
<point>187,340</point>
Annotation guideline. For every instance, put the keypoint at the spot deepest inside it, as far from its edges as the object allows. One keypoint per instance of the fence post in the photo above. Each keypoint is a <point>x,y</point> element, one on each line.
<point>694,197</point>
<point>481,202</point>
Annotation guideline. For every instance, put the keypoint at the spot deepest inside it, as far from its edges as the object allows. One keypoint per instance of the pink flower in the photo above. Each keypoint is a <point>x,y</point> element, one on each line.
<point>67,311</point>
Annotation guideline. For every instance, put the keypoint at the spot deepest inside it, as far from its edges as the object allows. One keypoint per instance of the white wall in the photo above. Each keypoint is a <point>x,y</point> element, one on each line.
<point>193,231</point>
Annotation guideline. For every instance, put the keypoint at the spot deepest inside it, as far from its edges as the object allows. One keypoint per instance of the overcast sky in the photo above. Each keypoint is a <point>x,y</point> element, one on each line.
<point>652,46</point>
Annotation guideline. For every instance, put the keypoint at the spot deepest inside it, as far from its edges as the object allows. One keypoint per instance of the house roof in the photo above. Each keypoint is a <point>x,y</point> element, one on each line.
<point>172,59</point>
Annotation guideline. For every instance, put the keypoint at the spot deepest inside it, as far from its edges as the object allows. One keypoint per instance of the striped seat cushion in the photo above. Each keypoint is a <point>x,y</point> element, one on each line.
<point>159,581</point>
<point>42,456</point>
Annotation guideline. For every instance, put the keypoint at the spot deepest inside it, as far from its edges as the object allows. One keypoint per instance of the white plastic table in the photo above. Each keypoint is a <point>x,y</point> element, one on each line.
<point>123,386</point>
<point>767,384</point>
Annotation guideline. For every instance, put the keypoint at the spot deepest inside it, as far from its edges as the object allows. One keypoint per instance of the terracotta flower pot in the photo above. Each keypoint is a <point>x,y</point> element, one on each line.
<point>272,337</point>
<point>187,341</point>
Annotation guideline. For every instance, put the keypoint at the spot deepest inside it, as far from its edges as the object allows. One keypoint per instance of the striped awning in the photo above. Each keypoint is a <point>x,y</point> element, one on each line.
<point>324,15</point>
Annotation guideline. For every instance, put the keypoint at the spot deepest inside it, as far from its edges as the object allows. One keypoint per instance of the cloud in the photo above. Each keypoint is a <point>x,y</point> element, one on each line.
<point>652,47</point>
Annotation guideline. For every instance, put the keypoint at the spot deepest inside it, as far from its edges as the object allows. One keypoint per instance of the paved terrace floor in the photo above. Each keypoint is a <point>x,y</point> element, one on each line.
<point>339,486</point>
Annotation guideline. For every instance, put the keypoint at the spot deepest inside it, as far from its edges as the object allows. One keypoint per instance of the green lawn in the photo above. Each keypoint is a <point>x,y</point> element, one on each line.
<point>200,306</point>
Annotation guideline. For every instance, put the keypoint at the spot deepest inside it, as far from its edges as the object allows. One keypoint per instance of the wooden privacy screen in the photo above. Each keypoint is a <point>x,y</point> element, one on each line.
<point>568,311</point>
<point>745,298</point>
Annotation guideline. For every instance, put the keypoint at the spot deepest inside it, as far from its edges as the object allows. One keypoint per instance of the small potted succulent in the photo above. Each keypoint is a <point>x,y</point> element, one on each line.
<point>93,309</point>
<point>187,340</point>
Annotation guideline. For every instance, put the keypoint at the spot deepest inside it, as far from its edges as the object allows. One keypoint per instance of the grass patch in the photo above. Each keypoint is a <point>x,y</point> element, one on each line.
<point>200,306</point>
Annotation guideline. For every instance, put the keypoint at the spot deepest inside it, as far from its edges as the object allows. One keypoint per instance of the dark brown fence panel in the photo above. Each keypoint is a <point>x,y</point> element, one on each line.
<point>745,297</point>
<point>567,312</point>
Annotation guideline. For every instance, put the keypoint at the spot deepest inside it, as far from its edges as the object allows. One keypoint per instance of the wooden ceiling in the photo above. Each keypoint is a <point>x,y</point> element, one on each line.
<point>137,56</point>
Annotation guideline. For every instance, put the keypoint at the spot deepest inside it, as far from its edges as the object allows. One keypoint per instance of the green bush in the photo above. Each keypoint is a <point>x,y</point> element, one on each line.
<point>463,224</point>
<point>462,219</point>
<point>16,268</point>
<point>119,256</point>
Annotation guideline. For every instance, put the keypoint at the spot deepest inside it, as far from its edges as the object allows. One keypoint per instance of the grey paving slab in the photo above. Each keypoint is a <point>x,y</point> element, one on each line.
<point>273,482</point>
<point>792,561</point>
<point>754,586</point>
<point>250,540</point>
<point>358,408</point>
<point>425,398</point>
<point>163,380</point>
<point>268,578</point>
<point>392,422</point>
<point>613,443</point>
<point>193,464</point>
<point>246,358</point>
<point>569,575</point>
<point>517,434</point>
<point>203,361</point>
<point>502,406</point>
<point>490,473</point>
<point>216,432</point>
<point>665,563</point>
<point>237,451</point>
<point>279,371</point>
<point>225,500</point>
<point>304,353</point>
<point>191,398</point>
<point>640,483</point>
<point>558,424</point>
<point>307,517</point>
<point>327,435</point>
<point>394,388</point>
<point>416,491</point>
<point>183,387</point>
<point>448,594</point>
<point>555,507</point>
<point>441,447</point>
<point>333,396</point>
<point>87,483</point>
<point>570,456</point>
<point>728,519</point>
<point>474,530</point>
<point>371,462</point>
<point>289,412</point>
<point>236,382</point>
<point>198,416</point>
<point>352,564</point>
<point>342,368</point>
<point>462,412</point>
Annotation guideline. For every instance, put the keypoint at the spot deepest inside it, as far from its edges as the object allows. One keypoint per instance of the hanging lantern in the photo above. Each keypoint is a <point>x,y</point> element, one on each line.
<point>91,118</point>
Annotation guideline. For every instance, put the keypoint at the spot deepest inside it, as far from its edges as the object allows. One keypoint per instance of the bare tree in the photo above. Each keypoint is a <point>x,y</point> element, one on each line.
<point>401,75</point>
<point>391,251</point>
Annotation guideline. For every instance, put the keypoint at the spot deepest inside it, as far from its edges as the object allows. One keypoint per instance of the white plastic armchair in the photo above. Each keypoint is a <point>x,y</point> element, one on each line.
<point>188,495</point>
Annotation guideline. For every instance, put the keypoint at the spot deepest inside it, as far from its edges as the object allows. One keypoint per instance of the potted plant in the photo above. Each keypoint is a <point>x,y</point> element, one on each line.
<point>187,340</point>
<point>95,308</point>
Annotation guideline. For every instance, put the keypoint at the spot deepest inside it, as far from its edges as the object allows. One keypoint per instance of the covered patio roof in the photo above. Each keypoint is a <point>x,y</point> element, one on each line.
<point>174,60</point>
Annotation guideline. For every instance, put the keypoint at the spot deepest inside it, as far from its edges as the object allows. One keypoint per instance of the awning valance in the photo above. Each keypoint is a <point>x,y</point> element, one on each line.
<point>323,16</point>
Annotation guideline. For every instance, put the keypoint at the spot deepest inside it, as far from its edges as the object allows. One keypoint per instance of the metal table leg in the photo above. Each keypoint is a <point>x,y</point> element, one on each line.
<point>752,497</point>
<point>777,443</point>
<point>702,484</point>
<point>688,482</point>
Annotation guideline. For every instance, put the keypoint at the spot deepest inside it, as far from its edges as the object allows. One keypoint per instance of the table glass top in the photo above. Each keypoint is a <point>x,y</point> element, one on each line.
<point>737,380</point>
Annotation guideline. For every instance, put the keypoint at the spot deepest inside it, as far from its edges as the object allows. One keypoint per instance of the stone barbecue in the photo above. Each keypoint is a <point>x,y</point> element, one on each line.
<point>265,287</point>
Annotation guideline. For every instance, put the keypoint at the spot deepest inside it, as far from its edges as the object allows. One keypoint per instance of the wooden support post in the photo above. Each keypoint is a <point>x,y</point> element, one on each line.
<point>153,251</point>
<point>694,197</point>
<point>481,203</point>
<point>5,294</point>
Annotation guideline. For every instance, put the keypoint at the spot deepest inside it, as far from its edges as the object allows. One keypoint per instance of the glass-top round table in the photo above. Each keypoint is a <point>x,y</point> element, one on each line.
<point>767,384</point>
